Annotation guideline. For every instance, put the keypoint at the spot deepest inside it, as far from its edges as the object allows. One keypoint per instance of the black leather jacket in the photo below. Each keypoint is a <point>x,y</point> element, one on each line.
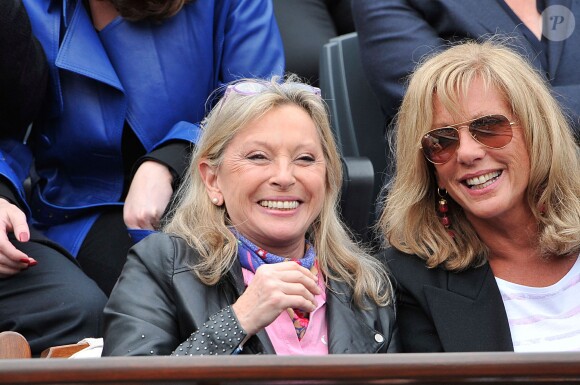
<point>158,302</point>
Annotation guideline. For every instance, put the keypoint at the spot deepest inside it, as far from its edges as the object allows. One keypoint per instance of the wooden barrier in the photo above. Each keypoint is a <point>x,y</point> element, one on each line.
<point>422,369</point>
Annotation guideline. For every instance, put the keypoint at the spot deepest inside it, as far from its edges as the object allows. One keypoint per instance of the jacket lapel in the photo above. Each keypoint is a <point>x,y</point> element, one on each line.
<point>81,50</point>
<point>469,315</point>
<point>556,47</point>
<point>347,331</point>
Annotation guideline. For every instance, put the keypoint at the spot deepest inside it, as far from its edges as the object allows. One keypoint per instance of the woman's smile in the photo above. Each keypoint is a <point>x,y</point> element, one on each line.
<point>273,178</point>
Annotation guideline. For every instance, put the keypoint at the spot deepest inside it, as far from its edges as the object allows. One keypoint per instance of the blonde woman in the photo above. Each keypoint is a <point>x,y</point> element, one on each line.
<point>255,259</point>
<point>483,215</point>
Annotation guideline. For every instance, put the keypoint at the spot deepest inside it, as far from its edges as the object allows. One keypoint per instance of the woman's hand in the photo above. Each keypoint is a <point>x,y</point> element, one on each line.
<point>148,196</point>
<point>12,260</point>
<point>274,289</point>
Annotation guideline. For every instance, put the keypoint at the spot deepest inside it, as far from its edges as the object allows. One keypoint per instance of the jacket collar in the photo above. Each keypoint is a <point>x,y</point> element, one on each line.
<point>556,47</point>
<point>81,50</point>
<point>469,315</point>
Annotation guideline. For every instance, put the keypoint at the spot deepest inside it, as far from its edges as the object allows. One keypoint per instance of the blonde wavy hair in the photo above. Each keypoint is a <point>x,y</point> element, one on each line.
<point>205,226</point>
<point>409,219</point>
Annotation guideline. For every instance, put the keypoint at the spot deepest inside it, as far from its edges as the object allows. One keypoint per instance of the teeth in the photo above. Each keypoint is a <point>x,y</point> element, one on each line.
<point>279,205</point>
<point>483,180</point>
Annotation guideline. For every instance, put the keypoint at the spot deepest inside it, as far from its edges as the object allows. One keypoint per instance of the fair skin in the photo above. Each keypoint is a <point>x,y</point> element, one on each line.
<point>12,220</point>
<point>146,201</point>
<point>496,205</point>
<point>148,196</point>
<point>102,13</point>
<point>272,182</point>
<point>528,13</point>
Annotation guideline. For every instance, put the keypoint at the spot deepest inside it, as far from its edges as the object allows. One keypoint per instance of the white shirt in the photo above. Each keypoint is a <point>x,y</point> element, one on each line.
<point>544,319</point>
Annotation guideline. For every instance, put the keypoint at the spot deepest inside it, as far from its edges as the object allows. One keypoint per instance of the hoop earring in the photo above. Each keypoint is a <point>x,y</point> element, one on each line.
<point>443,208</point>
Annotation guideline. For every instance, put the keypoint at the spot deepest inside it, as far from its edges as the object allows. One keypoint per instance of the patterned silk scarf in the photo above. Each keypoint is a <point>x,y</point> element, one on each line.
<point>251,257</point>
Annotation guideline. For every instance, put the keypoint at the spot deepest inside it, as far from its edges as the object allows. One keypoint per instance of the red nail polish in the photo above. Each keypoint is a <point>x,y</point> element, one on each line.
<point>24,260</point>
<point>32,263</point>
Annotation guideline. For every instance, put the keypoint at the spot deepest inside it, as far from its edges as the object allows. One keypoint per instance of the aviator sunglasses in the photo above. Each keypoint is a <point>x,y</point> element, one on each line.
<point>492,131</point>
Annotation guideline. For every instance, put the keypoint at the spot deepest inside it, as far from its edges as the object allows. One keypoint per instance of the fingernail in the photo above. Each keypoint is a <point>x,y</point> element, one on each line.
<point>32,263</point>
<point>24,260</point>
<point>22,237</point>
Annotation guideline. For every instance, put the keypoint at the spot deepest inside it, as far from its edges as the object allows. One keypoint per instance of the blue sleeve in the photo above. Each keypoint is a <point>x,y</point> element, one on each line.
<point>248,46</point>
<point>569,97</point>
<point>15,162</point>
<point>393,36</point>
<point>252,44</point>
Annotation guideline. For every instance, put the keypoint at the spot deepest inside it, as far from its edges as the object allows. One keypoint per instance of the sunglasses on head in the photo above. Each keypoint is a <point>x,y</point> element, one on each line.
<point>250,87</point>
<point>493,131</point>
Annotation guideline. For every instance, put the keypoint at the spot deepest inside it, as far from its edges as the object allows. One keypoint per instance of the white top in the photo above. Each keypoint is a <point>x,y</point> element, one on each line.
<point>544,319</point>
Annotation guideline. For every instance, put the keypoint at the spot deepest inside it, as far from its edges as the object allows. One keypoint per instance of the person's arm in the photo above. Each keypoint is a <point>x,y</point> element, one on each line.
<point>144,313</point>
<point>12,221</point>
<point>173,155</point>
<point>275,288</point>
<point>23,82</point>
<point>162,173</point>
<point>141,316</point>
<point>140,209</point>
<point>393,37</point>
<point>23,70</point>
<point>569,98</point>
<point>252,46</point>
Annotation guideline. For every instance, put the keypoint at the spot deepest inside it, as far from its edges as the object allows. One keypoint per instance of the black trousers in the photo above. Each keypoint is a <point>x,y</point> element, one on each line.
<point>52,303</point>
<point>104,250</point>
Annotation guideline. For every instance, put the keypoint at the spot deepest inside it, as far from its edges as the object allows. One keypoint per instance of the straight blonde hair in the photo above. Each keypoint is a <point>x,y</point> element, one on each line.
<point>205,226</point>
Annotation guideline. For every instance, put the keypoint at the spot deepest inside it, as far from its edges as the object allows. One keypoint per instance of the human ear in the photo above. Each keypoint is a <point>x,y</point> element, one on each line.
<point>209,176</point>
<point>439,183</point>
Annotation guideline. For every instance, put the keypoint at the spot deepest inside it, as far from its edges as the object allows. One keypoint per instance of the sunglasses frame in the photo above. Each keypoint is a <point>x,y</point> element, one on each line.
<point>466,124</point>
<point>256,87</point>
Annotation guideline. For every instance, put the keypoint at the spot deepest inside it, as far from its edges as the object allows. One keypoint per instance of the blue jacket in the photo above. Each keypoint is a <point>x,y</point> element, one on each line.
<point>396,34</point>
<point>156,77</point>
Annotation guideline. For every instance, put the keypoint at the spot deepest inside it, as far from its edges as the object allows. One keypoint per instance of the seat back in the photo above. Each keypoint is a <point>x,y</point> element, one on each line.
<point>356,116</point>
<point>13,345</point>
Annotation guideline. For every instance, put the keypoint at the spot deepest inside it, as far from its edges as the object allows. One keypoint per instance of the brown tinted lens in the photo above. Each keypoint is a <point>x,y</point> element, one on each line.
<point>438,145</point>
<point>492,131</point>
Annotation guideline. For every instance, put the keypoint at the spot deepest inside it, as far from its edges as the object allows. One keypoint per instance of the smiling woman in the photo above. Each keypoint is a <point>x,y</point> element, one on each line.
<point>272,179</point>
<point>483,215</point>
<point>255,258</point>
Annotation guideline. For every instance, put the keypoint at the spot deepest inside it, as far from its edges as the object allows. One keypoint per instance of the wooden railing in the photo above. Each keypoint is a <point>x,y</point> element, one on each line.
<point>444,368</point>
